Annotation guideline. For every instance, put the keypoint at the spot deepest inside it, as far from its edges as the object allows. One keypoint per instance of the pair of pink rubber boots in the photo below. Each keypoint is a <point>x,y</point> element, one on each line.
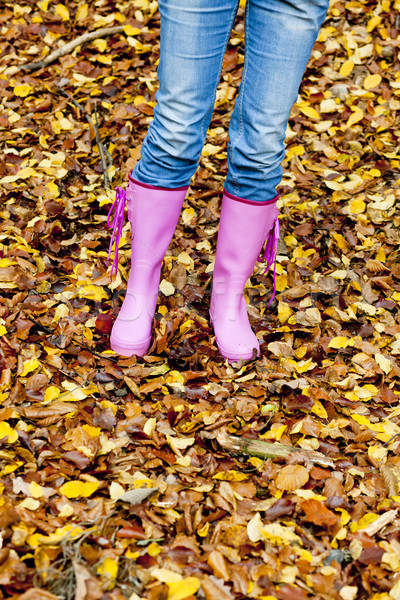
<point>153,213</point>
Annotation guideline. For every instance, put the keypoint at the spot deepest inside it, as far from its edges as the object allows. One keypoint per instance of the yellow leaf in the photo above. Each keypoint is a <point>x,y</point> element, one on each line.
<point>100,45</point>
<point>373,22</point>
<point>154,549</point>
<point>274,532</point>
<point>380,255</point>
<point>66,511</point>
<point>378,453</point>
<point>65,124</point>
<point>149,426</point>
<point>281,283</point>
<point>82,12</point>
<point>174,377</point>
<point>30,504</point>
<point>51,393</point>
<point>139,100</point>
<point>328,106</point>
<point>63,12</point>
<point>93,292</point>
<point>35,489</point>
<point>202,531</point>
<point>129,30</point>
<point>295,151</point>
<point>186,326</point>
<point>372,81</point>
<point>348,592</point>
<point>43,5</point>
<point>340,342</point>
<point>363,522</point>
<point>116,491</point>
<point>109,570</point>
<point>30,365</point>
<point>188,215</point>
<point>179,590</point>
<point>23,90</point>
<point>61,311</point>
<point>384,363</point>
<point>346,68</point>
<point>230,476</point>
<point>79,489</point>
<point>166,575</point>
<point>3,330</point>
<point>341,241</point>
<point>7,431</point>
<point>284,311</point>
<point>22,174</point>
<point>92,431</point>
<point>210,149</point>
<point>357,116</point>
<point>275,433</point>
<point>356,206</point>
<point>319,410</point>
<point>309,111</point>
<point>167,288</point>
<point>178,444</point>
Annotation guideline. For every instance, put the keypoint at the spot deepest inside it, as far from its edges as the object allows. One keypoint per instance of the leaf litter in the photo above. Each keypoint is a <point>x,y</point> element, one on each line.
<point>114,483</point>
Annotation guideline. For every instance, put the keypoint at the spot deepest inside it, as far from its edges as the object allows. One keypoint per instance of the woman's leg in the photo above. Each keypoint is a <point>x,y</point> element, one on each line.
<point>279,38</point>
<point>194,35</point>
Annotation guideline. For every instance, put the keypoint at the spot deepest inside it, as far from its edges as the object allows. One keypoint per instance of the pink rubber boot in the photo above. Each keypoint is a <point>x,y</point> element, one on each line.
<point>153,213</point>
<point>244,227</point>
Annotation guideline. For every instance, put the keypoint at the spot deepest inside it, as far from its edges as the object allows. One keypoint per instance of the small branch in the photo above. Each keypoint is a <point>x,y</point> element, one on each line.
<point>96,131</point>
<point>82,39</point>
<point>261,449</point>
<point>381,522</point>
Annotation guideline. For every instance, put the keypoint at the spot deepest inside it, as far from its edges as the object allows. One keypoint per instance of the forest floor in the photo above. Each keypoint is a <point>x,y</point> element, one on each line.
<point>115,480</point>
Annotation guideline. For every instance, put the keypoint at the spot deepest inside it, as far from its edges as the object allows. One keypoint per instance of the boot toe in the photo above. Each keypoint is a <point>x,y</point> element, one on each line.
<point>127,341</point>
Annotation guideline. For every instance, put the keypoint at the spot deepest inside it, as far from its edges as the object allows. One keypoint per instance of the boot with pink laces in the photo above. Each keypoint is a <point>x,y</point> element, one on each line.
<point>153,213</point>
<point>244,227</point>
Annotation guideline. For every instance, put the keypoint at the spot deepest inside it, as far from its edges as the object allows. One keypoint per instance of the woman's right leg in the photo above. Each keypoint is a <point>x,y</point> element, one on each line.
<point>194,35</point>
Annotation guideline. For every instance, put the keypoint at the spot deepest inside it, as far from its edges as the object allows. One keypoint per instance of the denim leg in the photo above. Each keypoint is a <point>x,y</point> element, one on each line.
<point>193,40</point>
<point>279,37</point>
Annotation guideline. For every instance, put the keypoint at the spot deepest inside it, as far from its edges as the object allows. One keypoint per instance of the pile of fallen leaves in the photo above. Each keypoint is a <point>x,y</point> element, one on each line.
<point>115,481</point>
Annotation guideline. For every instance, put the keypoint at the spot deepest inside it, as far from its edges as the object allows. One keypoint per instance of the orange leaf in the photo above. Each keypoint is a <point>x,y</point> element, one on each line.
<point>317,513</point>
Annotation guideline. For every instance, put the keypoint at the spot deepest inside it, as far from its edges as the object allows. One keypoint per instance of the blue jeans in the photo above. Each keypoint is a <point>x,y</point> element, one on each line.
<point>279,37</point>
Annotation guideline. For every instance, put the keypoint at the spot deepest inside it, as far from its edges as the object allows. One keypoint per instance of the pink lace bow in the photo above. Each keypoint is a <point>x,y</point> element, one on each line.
<point>118,207</point>
<point>270,252</point>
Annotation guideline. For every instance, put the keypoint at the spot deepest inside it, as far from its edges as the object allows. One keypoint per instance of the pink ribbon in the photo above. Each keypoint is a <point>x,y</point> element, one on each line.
<point>271,251</point>
<point>118,206</point>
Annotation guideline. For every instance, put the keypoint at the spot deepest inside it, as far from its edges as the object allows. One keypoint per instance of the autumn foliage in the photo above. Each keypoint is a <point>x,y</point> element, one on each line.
<point>113,482</point>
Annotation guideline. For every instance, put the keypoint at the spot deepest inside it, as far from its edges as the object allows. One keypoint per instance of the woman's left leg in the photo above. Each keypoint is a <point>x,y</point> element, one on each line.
<point>279,37</point>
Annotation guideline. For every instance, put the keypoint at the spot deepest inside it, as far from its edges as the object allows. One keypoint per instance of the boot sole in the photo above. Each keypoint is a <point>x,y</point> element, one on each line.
<point>129,350</point>
<point>235,357</point>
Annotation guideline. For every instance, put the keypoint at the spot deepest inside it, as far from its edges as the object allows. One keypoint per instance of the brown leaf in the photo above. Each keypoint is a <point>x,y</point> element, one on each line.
<point>217,562</point>
<point>87,587</point>
<point>212,591</point>
<point>333,487</point>
<point>37,594</point>
<point>291,477</point>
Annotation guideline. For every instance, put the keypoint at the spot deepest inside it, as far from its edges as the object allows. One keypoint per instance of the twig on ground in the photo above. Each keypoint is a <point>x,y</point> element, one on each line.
<point>96,132</point>
<point>82,39</point>
<point>249,447</point>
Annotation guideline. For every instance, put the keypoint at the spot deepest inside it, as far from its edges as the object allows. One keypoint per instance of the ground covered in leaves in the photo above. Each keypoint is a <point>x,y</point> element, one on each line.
<point>115,482</point>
